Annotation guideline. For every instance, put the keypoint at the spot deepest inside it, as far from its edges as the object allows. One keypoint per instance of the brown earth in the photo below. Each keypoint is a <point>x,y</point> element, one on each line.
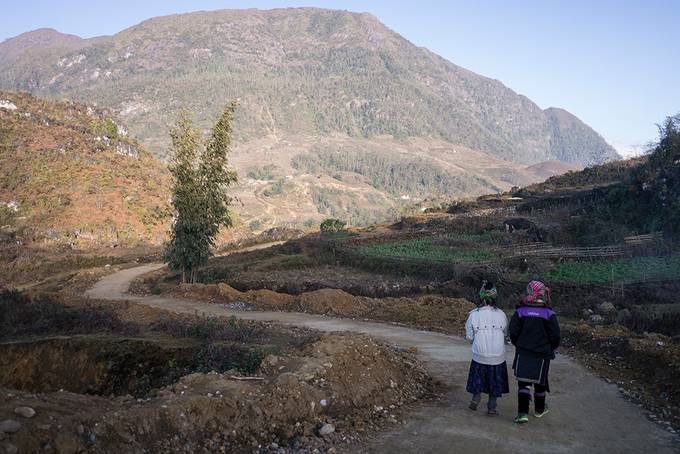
<point>645,367</point>
<point>431,312</point>
<point>587,414</point>
<point>82,387</point>
<point>344,380</point>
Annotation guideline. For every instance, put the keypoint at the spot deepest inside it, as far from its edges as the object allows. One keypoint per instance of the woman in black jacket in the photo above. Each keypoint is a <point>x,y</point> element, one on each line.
<point>535,333</point>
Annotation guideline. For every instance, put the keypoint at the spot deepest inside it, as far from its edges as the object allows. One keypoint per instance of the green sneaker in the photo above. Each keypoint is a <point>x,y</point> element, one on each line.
<point>522,418</point>
<point>541,414</point>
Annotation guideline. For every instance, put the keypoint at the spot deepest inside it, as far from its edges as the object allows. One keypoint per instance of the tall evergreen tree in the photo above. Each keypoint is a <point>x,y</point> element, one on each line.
<point>200,178</point>
<point>215,175</point>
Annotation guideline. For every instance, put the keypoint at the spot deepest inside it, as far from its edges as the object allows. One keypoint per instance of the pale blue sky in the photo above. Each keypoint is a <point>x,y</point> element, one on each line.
<point>615,64</point>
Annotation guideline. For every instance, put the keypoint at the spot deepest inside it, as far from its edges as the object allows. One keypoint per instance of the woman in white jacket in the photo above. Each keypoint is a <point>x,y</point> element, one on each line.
<point>486,327</point>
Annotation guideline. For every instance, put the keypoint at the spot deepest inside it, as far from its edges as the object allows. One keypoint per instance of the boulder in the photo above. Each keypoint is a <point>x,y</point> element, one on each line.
<point>10,426</point>
<point>623,316</point>
<point>326,429</point>
<point>606,308</point>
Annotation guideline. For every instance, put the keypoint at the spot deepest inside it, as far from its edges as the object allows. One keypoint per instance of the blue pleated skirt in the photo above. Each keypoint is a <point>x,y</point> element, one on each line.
<point>491,380</point>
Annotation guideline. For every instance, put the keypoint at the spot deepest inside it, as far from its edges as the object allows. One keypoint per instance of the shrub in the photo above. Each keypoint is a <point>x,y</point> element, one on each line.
<point>332,225</point>
<point>266,172</point>
<point>255,224</point>
<point>275,189</point>
<point>7,215</point>
<point>209,328</point>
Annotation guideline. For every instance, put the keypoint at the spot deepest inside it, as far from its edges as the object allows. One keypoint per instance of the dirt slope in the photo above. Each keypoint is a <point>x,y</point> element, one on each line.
<point>587,414</point>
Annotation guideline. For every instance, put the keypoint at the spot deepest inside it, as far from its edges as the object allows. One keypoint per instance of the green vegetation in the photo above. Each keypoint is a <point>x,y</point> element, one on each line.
<point>266,172</point>
<point>651,197</point>
<point>395,174</point>
<point>255,224</point>
<point>494,237</point>
<point>425,249</point>
<point>605,272</point>
<point>106,127</point>
<point>599,175</point>
<point>277,188</point>
<point>356,209</point>
<point>198,194</point>
<point>332,226</point>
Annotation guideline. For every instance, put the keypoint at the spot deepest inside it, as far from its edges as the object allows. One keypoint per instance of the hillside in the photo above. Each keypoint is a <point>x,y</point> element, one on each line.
<point>327,81</point>
<point>71,174</point>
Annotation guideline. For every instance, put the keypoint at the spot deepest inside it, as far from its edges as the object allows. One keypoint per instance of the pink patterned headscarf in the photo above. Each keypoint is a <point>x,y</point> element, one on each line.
<point>537,294</point>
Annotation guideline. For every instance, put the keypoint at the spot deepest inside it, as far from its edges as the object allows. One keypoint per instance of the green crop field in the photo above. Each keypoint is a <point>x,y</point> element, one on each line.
<point>628,269</point>
<point>492,237</point>
<point>424,249</point>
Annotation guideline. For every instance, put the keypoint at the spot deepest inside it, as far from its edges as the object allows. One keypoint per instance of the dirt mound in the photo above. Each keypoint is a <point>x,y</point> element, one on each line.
<point>347,383</point>
<point>428,312</point>
<point>334,302</point>
<point>305,279</point>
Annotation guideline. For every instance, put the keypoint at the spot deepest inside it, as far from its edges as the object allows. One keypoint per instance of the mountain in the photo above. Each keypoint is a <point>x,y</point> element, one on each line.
<point>574,141</point>
<point>71,174</point>
<point>327,81</point>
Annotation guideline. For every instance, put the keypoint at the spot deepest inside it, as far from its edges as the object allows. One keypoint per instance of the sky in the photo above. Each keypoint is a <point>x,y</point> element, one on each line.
<point>614,64</point>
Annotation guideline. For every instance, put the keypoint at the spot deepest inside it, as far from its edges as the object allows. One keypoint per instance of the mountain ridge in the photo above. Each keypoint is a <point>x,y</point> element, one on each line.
<point>454,103</point>
<point>315,87</point>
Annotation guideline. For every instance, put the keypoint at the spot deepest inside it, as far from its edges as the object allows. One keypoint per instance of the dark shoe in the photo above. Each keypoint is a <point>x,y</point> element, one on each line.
<point>473,405</point>
<point>542,413</point>
<point>492,412</point>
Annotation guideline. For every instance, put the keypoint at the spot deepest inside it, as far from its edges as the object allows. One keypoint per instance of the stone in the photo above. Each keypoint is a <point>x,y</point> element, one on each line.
<point>7,104</point>
<point>10,448</point>
<point>623,316</point>
<point>326,429</point>
<point>10,426</point>
<point>596,319</point>
<point>26,412</point>
<point>606,308</point>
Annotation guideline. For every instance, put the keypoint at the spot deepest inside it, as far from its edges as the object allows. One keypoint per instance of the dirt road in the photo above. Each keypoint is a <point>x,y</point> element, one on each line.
<point>587,414</point>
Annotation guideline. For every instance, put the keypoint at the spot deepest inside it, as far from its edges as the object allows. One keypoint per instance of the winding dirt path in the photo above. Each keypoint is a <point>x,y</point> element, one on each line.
<point>587,414</point>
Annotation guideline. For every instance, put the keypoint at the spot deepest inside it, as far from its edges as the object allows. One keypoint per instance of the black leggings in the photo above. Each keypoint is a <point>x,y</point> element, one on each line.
<point>524,397</point>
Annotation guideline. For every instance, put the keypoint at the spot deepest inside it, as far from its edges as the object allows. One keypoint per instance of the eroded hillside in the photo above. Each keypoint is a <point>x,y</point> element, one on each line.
<point>72,174</point>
